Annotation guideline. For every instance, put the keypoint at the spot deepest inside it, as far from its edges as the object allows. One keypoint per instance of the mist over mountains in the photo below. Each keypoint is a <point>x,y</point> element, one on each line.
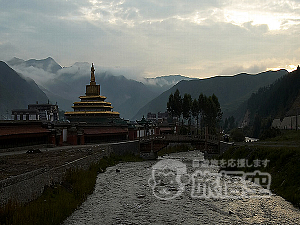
<point>231,91</point>
<point>48,64</point>
<point>132,98</point>
<point>65,84</point>
<point>163,83</point>
<point>17,92</point>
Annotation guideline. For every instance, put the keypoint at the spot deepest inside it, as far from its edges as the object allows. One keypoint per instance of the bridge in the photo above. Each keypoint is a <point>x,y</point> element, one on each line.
<point>151,145</point>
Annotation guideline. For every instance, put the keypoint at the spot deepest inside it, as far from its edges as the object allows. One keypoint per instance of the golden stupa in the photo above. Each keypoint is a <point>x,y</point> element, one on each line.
<point>92,108</point>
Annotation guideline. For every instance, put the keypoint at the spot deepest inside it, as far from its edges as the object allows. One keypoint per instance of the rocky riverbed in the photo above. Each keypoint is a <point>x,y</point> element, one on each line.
<point>179,189</point>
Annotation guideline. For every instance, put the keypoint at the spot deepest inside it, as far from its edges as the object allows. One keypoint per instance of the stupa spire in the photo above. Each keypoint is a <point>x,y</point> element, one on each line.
<point>92,109</point>
<point>93,74</point>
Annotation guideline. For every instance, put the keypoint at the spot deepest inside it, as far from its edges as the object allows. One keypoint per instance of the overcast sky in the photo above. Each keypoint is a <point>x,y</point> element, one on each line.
<point>148,38</point>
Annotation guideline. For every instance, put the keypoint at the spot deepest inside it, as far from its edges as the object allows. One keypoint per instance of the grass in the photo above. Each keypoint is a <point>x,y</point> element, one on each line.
<point>58,201</point>
<point>284,167</point>
<point>286,136</point>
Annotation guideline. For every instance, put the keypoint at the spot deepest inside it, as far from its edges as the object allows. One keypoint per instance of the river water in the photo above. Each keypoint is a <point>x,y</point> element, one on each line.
<point>153,192</point>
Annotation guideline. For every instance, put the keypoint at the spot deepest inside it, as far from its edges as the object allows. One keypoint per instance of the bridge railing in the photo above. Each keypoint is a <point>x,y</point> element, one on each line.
<point>174,137</point>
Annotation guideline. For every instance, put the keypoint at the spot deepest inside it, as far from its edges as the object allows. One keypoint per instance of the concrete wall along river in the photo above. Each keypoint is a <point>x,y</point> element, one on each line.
<point>30,185</point>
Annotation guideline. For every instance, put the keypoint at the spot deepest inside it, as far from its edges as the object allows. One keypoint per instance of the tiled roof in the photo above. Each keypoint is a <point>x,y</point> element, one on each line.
<point>91,112</point>
<point>105,130</point>
<point>165,128</point>
<point>12,130</point>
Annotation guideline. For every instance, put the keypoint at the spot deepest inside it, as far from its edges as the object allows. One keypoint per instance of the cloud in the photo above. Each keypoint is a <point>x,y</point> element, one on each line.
<point>80,69</point>
<point>152,38</point>
<point>253,69</point>
<point>39,75</point>
<point>77,70</point>
<point>8,48</point>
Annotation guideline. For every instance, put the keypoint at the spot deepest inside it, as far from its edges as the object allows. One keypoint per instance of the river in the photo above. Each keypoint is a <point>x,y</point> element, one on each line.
<point>137,193</point>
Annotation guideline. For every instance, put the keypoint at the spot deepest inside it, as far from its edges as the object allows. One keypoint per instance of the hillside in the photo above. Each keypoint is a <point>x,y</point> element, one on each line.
<point>16,92</point>
<point>126,96</point>
<point>278,100</point>
<point>65,85</point>
<point>231,91</point>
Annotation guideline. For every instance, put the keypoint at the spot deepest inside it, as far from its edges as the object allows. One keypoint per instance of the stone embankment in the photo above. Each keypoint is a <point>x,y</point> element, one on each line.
<point>30,173</point>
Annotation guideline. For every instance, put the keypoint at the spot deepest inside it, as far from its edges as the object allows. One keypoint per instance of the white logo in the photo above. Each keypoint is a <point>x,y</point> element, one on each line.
<point>169,178</point>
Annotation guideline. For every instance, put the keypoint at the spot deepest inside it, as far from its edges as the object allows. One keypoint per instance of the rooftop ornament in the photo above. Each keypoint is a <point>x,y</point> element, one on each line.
<point>93,74</point>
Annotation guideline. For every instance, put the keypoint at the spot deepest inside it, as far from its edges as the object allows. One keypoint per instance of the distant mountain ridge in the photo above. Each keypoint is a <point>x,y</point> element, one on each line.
<point>278,100</point>
<point>231,91</point>
<point>163,83</point>
<point>16,92</point>
<point>65,85</point>
<point>47,64</point>
<point>125,95</point>
<point>132,98</point>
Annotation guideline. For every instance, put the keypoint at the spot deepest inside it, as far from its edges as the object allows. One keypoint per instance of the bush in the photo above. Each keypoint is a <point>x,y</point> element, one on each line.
<point>237,135</point>
<point>269,133</point>
<point>283,166</point>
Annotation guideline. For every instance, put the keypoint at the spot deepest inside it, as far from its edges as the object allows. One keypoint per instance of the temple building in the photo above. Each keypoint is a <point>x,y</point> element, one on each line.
<point>43,112</point>
<point>93,108</point>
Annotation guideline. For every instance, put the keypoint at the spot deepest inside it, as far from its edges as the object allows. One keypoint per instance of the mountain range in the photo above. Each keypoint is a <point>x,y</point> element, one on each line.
<point>132,98</point>
<point>17,92</point>
<point>231,91</point>
<point>278,100</point>
<point>47,64</point>
<point>65,84</point>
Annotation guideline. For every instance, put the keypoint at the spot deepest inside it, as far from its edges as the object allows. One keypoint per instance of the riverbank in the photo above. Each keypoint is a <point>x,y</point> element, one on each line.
<point>130,197</point>
<point>68,195</point>
<point>59,200</point>
<point>19,162</point>
<point>283,164</point>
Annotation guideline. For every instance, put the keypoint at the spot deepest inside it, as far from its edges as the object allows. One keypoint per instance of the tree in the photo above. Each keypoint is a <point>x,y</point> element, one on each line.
<point>229,124</point>
<point>210,110</point>
<point>225,127</point>
<point>177,103</point>
<point>201,105</point>
<point>217,108</point>
<point>256,126</point>
<point>195,111</point>
<point>237,135</point>
<point>170,105</point>
<point>174,105</point>
<point>186,106</point>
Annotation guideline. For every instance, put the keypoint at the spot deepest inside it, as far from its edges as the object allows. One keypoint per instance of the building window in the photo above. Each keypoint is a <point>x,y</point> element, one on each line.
<point>32,117</point>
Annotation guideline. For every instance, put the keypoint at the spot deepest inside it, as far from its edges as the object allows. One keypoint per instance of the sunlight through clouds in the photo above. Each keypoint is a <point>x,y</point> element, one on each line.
<point>111,12</point>
<point>289,68</point>
<point>276,14</point>
<point>196,38</point>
